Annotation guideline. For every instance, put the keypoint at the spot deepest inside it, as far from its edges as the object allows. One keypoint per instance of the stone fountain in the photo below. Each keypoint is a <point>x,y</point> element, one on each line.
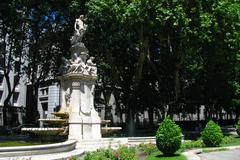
<point>77,116</point>
<point>57,126</point>
<point>77,89</point>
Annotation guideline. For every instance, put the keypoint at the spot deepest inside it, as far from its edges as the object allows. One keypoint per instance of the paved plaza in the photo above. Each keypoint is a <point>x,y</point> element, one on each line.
<point>221,155</point>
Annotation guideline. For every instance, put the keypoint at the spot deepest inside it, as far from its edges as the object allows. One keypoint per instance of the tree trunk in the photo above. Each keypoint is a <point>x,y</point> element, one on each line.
<point>5,110</point>
<point>31,110</point>
<point>7,100</point>
<point>198,113</point>
<point>29,106</point>
<point>237,110</point>
<point>177,85</point>
<point>144,49</point>
<point>130,121</point>
<point>150,112</point>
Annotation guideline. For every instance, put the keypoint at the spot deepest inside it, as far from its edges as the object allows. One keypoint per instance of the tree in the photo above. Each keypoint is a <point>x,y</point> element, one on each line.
<point>182,54</point>
<point>186,46</point>
<point>48,42</point>
<point>219,39</point>
<point>126,32</point>
<point>13,26</point>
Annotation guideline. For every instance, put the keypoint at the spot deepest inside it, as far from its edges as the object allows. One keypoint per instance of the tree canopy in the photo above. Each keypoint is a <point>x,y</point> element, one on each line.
<point>179,54</point>
<point>161,55</point>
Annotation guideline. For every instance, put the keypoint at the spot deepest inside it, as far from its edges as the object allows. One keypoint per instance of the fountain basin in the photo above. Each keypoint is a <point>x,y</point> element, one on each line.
<point>38,149</point>
<point>54,122</point>
<point>110,130</point>
<point>62,115</point>
<point>43,131</point>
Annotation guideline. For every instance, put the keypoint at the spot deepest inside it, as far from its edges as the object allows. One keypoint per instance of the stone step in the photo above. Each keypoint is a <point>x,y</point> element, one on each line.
<point>55,156</point>
<point>133,141</point>
<point>90,145</point>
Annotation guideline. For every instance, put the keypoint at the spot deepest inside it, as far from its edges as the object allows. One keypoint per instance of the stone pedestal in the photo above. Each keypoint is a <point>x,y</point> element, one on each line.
<point>77,95</point>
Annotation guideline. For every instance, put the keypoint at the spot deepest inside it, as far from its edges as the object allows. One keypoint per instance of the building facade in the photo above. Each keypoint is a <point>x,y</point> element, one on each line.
<point>16,111</point>
<point>48,98</point>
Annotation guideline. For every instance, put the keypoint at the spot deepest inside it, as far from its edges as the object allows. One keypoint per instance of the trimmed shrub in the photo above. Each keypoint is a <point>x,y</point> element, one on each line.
<point>238,127</point>
<point>168,137</point>
<point>212,134</point>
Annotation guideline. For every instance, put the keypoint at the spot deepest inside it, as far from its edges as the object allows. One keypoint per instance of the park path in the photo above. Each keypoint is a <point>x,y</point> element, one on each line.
<point>221,155</point>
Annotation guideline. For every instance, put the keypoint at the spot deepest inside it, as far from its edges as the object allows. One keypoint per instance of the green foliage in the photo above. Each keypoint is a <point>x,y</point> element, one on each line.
<point>235,86</point>
<point>100,155</point>
<point>198,44</point>
<point>231,141</point>
<point>214,150</point>
<point>238,127</point>
<point>192,144</point>
<point>73,158</point>
<point>148,148</point>
<point>212,134</point>
<point>181,51</point>
<point>168,137</point>
<point>228,139</point>
<point>123,153</point>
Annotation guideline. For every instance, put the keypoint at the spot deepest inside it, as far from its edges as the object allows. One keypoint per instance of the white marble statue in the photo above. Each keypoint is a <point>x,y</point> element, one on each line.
<point>91,67</point>
<point>80,29</point>
<point>79,26</point>
<point>78,79</point>
<point>67,96</point>
<point>77,65</point>
<point>78,62</point>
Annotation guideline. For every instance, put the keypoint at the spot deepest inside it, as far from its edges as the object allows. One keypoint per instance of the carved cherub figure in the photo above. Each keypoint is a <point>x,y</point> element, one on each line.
<point>90,61</point>
<point>67,96</point>
<point>77,65</point>
<point>91,67</point>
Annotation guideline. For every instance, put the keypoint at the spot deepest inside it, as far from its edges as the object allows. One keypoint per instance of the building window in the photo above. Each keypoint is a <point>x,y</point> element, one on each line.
<point>45,110</point>
<point>46,91</point>
<point>15,97</point>
<point>42,91</point>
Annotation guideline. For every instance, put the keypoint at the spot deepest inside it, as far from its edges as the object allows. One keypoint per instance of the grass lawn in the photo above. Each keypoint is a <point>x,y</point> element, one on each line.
<point>208,150</point>
<point>17,143</point>
<point>234,142</point>
<point>159,156</point>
